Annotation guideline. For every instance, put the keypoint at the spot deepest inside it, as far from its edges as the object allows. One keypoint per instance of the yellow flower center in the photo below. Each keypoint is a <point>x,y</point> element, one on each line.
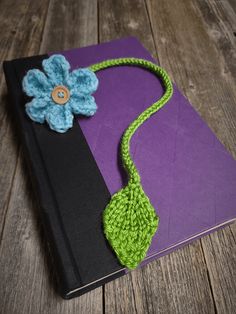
<point>60,94</point>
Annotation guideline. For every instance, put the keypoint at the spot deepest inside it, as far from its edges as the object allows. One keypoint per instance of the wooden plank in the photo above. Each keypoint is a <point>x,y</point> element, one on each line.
<point>119,19</point>
<point>177,283</point>
<point>200,34</point>
<point>70,24</point>
<point>124,295</point>
<point>220,248</point>
<point>26,276</point>
<point>219,20</point>
<point>22,25</point>
<point>220,253</point>
<point>183,281</point>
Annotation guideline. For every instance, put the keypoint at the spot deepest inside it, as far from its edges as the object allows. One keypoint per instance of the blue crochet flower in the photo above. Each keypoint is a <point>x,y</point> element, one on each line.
<point>59,94</point>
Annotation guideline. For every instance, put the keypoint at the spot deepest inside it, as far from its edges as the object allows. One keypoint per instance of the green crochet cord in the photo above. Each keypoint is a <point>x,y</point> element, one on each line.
<point>129,220</point>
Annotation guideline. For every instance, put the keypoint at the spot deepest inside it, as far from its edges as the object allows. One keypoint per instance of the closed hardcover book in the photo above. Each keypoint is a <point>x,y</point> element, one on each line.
<point>186,172</point>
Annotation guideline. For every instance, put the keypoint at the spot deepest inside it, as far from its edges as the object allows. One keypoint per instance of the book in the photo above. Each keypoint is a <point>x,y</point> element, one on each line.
<point>186,172</point>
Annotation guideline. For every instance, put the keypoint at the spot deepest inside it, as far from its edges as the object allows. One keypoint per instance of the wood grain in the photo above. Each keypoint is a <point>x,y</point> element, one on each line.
<point>176,283</point>
<point>70,24</point>
<point>195,41</point>
<point>220,253</point>
<point>22,25</point>
<point>183,283</point>
<point>124,18</point>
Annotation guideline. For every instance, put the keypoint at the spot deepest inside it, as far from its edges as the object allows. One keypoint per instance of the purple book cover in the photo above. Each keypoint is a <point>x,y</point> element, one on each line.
<point>187,173</point>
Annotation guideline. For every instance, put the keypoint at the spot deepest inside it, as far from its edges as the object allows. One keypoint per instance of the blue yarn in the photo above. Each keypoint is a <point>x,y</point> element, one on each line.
<point>81,83</point>
<point>59,118</point>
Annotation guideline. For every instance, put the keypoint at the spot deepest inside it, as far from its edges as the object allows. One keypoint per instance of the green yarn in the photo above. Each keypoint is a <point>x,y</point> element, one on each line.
<point>129,220</point>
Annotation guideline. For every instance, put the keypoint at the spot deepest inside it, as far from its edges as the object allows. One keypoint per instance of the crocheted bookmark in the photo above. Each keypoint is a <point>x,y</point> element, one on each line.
<point>129,220</point>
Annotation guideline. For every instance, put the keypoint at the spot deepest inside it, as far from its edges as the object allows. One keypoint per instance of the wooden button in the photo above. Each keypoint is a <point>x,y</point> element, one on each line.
<point>60,95</point>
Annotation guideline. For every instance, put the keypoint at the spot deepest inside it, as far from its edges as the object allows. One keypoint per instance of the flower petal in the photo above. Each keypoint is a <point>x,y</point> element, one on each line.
<point>59,118</point>
<point>85,105</point>
<point>57,69</point>
<point>83,81</point>
<point>36,109</point>
<point>35,83</point>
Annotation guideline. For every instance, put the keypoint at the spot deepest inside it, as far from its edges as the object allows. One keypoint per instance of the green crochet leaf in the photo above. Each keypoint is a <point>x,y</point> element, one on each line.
<point>129,219</point>
<point>130,222</point>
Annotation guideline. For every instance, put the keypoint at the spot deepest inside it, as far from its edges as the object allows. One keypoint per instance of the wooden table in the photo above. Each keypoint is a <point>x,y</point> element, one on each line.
<point>195,42</point>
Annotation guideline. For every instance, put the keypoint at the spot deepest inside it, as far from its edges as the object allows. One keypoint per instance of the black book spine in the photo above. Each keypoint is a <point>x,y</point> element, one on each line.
<point>71,192</point>
<point>68,278</point>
